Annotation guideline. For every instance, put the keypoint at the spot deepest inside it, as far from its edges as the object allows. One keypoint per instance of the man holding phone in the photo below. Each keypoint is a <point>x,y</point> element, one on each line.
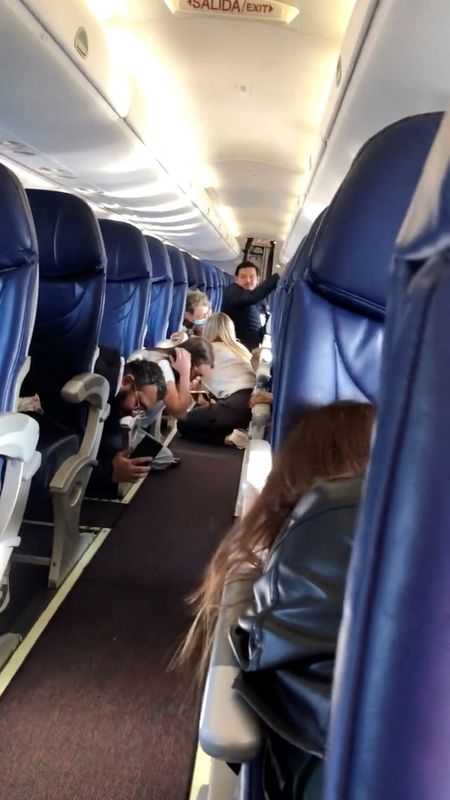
<point>142,387</point>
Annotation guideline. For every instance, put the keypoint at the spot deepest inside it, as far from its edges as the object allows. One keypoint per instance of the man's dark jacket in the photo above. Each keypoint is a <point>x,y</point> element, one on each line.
<point>242,306</point>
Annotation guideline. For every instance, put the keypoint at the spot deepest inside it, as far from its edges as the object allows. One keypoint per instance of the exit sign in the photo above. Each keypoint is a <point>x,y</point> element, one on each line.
<point>248,9</point>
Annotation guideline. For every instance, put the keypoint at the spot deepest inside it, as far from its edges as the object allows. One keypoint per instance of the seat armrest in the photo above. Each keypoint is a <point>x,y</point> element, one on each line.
<point>128,423</point>
<point>261,414</point>
<point>229,729</point>
<point>87,387</point>
<point>19,435</point>
<point>94,389</point>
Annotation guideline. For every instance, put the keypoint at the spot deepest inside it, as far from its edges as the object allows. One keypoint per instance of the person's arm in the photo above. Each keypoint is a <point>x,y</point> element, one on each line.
<point>178,398</point>
<point>237,296</point>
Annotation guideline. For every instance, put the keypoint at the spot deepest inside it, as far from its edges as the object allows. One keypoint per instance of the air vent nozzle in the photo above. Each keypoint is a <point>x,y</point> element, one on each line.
<point>81,42</point>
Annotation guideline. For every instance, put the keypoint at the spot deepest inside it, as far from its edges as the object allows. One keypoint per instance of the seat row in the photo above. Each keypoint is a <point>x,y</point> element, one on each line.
<point>67,285</point>
<point>147,283</point>
<point>328,321</point>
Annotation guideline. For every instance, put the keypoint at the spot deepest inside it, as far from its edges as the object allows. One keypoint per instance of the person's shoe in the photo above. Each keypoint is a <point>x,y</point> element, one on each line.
<point>238,438</point>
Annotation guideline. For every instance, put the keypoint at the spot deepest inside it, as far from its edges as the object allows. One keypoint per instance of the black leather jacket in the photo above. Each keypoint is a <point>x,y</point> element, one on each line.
<point>286,645</point>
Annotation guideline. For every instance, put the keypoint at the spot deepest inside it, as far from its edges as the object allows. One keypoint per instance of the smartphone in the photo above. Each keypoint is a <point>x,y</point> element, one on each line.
<point>197,392</point>
<point>146,447</point>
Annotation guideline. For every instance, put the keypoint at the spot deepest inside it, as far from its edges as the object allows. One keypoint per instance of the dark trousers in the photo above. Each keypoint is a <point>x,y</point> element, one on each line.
<point>212,423</point>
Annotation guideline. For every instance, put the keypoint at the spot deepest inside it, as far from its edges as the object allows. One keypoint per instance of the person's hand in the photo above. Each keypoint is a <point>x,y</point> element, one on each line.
<point>260,397</point>
<point>129,470</point>
<point>202,400</point>
<point>182,362</point>
<point>178,337</point>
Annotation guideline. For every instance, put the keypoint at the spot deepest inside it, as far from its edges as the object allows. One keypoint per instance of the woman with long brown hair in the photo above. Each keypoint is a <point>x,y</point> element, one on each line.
<point>298,537</point>
<point>327,443</point>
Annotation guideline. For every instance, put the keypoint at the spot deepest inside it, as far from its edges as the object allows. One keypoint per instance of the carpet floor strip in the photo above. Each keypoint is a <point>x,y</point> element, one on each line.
<point>93,714</point>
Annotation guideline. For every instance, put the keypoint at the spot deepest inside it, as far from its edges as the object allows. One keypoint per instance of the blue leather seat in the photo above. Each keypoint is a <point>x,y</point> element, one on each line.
<point>332,345</point>
<point>19,286</point>
<point>333,342</point>
<point>63,350</point>
<point>390,731</point>
<point>202,280</point>
<point>18,432</point>
<point>195,279</point>
<point>161,295</point>
<point>212,288</point>
<point>180,289</point>
<point>220,284</point>
<point>281,298</point>
<point>128,287</point>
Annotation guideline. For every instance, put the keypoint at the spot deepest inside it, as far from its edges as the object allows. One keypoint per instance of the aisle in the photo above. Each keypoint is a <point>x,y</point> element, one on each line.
<point>93,714</point>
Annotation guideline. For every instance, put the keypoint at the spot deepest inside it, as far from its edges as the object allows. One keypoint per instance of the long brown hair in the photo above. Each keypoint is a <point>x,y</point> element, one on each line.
<point>201,351</point>
<point>329,442</point>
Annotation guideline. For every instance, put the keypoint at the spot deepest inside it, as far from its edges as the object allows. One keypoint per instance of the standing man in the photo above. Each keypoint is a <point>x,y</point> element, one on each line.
<point>241,302</point>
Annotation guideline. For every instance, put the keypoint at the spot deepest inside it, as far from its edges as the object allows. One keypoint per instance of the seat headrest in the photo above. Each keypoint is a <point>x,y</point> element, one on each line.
<point>18,243</point>
<point>297,267</point>
<point>426,229</point>
<point>350,256</point>
<point>193,274</point>
<point>177,264</point>
<point>68,235</point>
<point>127,254</point>
<point>159,258</point>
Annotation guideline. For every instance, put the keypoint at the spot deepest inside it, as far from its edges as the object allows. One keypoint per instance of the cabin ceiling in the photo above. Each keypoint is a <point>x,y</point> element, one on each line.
<point>231,106</point>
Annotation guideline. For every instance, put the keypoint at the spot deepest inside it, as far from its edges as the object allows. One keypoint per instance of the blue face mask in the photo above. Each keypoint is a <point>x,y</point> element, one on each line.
<point>199,322</point>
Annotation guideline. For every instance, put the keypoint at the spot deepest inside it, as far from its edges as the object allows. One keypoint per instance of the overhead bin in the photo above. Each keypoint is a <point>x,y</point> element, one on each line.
<point>77,122</point>
<point>394,62</point>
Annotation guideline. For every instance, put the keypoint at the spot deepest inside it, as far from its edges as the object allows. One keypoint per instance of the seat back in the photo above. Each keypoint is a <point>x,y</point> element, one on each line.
<point>202,272</point>
<point>72,265</point>
<point>18,433</point>
<point>193,273</point>
<point>390,727</point>
<point>221,284</point>
<point>180,289</point>
<point>18,286</point>
<point>162,290</point>
<point>128,286</point>
<point>282,297</point>
<point>333,340</point>
<point>212,287</point>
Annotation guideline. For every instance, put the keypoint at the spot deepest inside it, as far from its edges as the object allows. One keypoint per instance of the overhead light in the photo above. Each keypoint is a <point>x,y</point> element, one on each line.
<point>87,190</point>
<point>162,186</point>
<point>175,235</point>
<point>174,219</point>
<point>57,172</point>
<point>172,205</point>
